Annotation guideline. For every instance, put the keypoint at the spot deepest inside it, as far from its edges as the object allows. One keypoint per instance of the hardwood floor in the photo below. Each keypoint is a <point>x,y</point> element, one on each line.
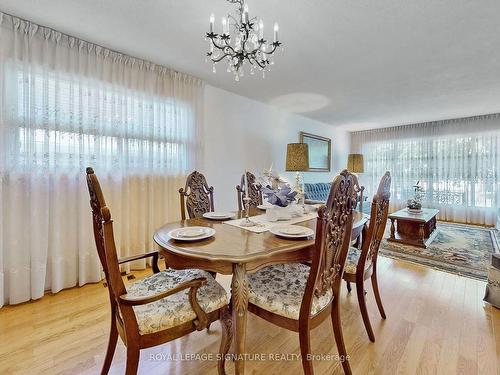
<point>436,324</point>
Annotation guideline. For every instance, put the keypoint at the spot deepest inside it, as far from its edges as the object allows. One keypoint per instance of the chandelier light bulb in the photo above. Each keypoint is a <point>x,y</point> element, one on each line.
<point>276,29</point>
<point>245,12</point>
<point>224,25</point>
<point>212,22</point>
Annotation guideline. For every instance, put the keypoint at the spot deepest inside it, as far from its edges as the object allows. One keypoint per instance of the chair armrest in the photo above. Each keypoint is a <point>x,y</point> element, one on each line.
<point>137,257</point>
<point>138,300</point>
<point>201,321</point>
<point>153,254</point>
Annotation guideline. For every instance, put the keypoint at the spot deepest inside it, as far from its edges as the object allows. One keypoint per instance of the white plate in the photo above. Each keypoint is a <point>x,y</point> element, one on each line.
<point>218,215</point>
<point>264,206</point>
<point>292,231</point>
<point>191,233</point>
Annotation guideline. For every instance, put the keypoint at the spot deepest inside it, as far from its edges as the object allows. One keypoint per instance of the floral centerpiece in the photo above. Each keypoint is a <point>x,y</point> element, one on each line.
<point>281,196</point>
<point>415,204</point>
<point>275,190</point>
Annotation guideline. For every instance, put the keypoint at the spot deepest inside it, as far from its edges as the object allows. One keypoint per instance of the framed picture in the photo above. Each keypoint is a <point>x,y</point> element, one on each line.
<point>320,151</point>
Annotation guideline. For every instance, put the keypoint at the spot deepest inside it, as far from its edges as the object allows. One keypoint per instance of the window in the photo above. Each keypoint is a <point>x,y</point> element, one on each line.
<point>454,170</point>
<point>69,121</point>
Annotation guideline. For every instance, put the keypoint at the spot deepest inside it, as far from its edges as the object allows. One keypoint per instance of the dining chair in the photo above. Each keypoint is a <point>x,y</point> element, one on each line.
<point>196,197</point>
<point>254,192</point>
<point>159,308</point>
<point>362,264</point>
<point>298,297</point>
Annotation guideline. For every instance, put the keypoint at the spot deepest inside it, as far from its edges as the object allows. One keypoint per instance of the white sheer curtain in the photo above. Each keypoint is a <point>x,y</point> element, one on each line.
<point>456,161</point>
<point>67,104</point>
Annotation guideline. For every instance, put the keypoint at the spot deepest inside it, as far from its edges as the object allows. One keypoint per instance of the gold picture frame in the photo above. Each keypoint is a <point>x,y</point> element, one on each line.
<point>320,152</point>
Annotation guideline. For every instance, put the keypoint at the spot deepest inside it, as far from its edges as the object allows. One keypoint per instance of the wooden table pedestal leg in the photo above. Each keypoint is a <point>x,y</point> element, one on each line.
<point>421,234</point>
<point>239,295</point>
<point>393,229</point>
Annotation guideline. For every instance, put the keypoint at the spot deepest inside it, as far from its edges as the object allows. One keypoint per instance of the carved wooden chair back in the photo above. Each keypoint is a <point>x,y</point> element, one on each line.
<point>96,202</point>
<point>106,248</point>
<point>376,226</point>
<point>333,234</point>
<point>196,197</point>
<point>254,192</point>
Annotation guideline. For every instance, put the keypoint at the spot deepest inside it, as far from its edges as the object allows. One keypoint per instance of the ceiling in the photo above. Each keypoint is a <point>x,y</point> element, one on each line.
<point>353,64</point>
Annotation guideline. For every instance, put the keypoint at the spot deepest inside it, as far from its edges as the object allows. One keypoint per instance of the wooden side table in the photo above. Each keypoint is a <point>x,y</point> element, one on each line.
<point>413,229</point>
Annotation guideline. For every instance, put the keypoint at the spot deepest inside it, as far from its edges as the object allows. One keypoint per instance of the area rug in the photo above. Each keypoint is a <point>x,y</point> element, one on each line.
<point>461,249</point>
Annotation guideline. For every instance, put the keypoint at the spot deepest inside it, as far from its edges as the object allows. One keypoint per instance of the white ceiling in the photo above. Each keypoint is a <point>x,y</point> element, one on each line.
<point>357,64</point>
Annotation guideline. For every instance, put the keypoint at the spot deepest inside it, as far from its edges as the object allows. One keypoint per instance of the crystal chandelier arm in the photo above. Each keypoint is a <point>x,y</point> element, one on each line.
<point>252,57</point>
<point>219,59</point>
<point>218,46</point>
<point>224,47</point>
<point>274,45</point>
<point>221,47</point>
<point>257,62</point>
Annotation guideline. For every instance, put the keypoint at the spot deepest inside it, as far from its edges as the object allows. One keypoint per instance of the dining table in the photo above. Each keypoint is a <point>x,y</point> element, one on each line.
<point>237,251</point>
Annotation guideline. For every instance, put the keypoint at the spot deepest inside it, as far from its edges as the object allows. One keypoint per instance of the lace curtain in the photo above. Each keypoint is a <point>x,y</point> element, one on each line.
<point>457,163</point>
<point>67,104</point>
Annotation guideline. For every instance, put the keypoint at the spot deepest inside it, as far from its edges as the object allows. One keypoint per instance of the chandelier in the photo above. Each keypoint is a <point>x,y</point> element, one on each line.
<point>241,42</point>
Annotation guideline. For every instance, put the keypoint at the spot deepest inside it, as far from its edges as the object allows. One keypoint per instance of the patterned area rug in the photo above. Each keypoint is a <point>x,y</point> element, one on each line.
<point>461,249</point>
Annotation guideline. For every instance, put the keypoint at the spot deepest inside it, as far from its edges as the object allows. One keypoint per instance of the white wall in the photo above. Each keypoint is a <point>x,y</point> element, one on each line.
<point>241,134</point>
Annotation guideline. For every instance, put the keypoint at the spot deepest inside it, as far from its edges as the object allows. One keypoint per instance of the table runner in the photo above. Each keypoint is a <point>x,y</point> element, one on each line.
<point>265,225</point>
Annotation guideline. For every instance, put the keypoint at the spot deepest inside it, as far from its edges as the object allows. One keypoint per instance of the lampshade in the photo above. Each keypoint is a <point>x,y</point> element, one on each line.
<point>355,163</point>
<point>297,157</point>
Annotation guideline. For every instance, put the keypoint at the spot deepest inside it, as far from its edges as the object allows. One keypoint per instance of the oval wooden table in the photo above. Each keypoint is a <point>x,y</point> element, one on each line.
<point>237,251</point>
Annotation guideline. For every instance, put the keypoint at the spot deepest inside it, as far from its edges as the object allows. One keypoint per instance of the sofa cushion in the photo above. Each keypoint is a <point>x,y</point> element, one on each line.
<point>318,191</point>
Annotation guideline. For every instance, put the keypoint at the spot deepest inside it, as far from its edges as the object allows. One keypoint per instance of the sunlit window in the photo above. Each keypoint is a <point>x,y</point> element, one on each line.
<point>70,121</point>
<point>453,170</point>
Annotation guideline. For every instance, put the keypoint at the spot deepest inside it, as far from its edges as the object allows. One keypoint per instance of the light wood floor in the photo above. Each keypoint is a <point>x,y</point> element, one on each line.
<point>436,324</point>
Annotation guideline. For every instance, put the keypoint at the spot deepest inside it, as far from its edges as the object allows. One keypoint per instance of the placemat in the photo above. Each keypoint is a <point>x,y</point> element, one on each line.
<point>263,225</point>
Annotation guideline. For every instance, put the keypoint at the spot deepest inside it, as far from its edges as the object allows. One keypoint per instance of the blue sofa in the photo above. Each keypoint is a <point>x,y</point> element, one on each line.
<point>319,191</point>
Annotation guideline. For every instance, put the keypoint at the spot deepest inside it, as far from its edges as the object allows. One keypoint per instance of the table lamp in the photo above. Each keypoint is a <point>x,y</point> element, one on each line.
<point>297,160</point>
<point>355,164</point>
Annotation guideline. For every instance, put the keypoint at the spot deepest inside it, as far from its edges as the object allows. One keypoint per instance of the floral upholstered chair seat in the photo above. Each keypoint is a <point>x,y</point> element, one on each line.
<point>175,309</point>
<point>352,260</point>
<point>280,290</point>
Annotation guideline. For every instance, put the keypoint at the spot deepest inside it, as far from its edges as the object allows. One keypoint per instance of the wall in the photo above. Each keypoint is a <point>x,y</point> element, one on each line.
<point>241,134</point>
